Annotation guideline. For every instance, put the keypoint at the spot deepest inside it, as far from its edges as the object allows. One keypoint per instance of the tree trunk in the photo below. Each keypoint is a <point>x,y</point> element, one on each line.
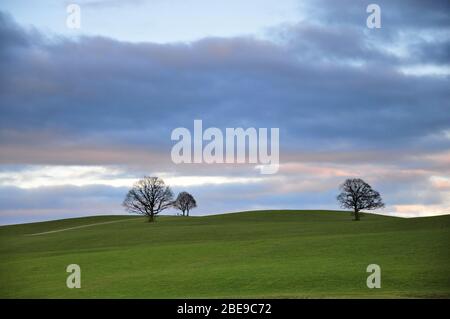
<point>151,218</point>
<point>356,214</point>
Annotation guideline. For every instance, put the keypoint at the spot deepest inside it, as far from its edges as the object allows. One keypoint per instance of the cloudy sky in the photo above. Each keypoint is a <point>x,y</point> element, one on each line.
<point>85,112</point>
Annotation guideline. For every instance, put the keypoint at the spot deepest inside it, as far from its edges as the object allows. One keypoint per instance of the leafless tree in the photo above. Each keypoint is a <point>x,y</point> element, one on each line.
<point>149,196</point>
<point>358,195</point>
<point>185,202</point>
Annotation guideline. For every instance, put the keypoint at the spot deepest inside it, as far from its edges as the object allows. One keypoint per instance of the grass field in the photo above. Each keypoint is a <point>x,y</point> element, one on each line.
<point>279,254</point>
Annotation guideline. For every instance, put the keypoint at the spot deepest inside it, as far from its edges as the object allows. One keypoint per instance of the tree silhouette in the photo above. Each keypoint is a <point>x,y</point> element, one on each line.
<point>185,202</point>
<point>358,195</point>
<point>149,196</point>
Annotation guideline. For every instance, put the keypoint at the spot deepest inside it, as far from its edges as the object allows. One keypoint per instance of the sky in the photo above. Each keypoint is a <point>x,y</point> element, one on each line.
<point>86,112</point>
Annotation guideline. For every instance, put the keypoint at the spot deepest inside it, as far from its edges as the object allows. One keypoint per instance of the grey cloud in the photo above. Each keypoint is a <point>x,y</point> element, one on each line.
<point>396,15</point>
<point>98,88</point>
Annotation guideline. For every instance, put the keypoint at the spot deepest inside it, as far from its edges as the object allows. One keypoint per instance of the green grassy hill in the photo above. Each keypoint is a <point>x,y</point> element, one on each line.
<point>285,254</point>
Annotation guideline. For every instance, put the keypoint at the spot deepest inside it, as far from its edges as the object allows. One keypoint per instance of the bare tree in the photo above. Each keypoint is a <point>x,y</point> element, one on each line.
<point>358,195</point>
<point>149,196</point>
<point>185,202</point>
